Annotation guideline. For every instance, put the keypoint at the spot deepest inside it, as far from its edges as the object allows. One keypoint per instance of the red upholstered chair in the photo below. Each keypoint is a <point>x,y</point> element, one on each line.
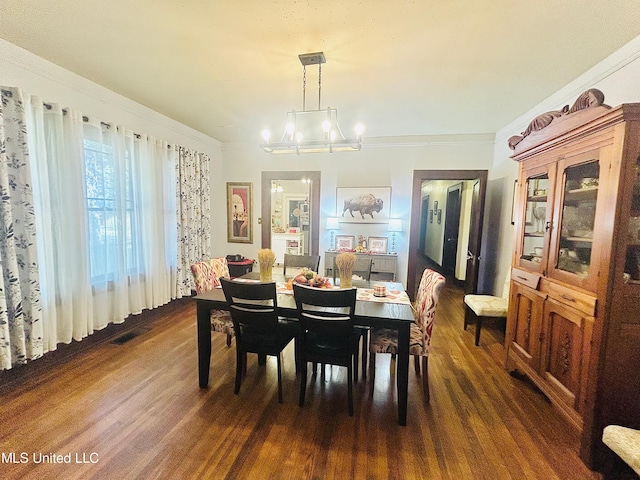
<point>206,278</point>
<point>384,340</point>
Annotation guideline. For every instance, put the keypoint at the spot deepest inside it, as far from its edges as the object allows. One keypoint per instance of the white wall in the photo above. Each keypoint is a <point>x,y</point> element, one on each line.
<point>37,76</point>
<point>618,77</point>
<point>378,164</point>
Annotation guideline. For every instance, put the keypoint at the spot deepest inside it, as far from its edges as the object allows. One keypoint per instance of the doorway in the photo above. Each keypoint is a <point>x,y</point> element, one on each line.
<point>306,213</point>
<point>479,177</point>
<point>451,229</point>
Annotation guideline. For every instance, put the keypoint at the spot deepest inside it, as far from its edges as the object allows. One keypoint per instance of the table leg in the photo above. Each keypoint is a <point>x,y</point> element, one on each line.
<point>204,342</point>
<point>402,371</point>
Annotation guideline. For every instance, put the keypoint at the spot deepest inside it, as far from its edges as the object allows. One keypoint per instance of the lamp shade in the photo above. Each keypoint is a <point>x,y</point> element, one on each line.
<point>395,225</point>
<point>333,223</point>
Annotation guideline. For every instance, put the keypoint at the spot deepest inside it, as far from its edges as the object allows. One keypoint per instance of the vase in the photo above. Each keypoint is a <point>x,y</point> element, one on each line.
<point>346,278</point>
<point>266,273</point>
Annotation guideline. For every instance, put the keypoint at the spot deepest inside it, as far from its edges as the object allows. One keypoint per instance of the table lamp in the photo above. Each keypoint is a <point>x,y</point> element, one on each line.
<point>395,225</point>
<point>332,224</point>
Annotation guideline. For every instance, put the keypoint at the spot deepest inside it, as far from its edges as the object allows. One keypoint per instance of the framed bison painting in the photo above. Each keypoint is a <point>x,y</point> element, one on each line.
<point>363,204</point>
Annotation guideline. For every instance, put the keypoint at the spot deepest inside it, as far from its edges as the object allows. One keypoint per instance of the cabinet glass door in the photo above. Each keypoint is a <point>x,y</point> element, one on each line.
<point>632,263</point>
<point>573,238</point>
<point>537,203</point>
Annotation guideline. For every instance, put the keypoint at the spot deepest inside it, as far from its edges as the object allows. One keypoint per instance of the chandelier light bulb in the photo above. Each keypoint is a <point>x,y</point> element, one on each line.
<point>290,128</point>
<point>299,137</point>
<point>326,126</point>
<point>266,135</point>
<point>332,135</point>
<point>359,129</point>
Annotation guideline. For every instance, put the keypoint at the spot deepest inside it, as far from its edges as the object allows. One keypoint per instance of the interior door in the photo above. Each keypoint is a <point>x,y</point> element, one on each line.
<point>424,217</point>
<point>473,253</point>
<point>451,229</point>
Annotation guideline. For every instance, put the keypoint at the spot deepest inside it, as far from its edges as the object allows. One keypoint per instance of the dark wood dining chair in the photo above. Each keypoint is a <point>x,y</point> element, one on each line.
<point>384,340</point>
<point>253,307</point>
<point>327,333</point>
<point>361,268</point>
<point>312,262</point>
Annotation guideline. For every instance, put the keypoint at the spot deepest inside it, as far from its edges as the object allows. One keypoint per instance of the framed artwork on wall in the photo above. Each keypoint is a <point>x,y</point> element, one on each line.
<point>378,244</point>
<point>239,212</point>
<point>345,243</point>
<point>363,204</point>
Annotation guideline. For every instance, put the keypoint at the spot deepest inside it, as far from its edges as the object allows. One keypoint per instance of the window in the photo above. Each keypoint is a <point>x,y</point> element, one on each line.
<point>113,235</point>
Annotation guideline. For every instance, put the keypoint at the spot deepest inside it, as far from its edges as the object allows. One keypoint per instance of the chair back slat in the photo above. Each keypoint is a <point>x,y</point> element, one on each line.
<point>326,311</point>
<point>312,262</point>
<point>253,306</point>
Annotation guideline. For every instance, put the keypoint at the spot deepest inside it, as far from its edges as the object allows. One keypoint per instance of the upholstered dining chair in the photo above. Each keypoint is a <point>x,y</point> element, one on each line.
<point>207,277</point>
<point>253,307</point>
<point>482,307</point>
<point>385,340</point>
<point>327,334</point>
<point>312,262</point>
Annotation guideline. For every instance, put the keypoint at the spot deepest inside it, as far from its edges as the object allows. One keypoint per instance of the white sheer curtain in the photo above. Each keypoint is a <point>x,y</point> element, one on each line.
<point>106,220</point>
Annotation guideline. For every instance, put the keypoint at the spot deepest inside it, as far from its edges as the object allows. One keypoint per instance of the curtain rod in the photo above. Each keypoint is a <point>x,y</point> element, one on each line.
<point>86,119</point>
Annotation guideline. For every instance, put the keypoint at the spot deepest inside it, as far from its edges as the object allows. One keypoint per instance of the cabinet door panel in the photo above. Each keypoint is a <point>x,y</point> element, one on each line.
<point>524,321</point>
<point>535,202</point>
<point>567,341</point>
<point>573,255</point>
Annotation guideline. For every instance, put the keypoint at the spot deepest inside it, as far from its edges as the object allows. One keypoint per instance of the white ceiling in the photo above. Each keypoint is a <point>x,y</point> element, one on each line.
<point>230,68</point>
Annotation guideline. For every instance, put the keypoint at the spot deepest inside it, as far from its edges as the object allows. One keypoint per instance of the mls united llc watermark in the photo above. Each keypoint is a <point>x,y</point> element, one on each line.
<point>40,457</point>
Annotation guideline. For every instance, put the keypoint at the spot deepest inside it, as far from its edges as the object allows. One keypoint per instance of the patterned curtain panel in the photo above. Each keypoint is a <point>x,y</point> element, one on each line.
<point>20,309</point>
<point>193,211</point>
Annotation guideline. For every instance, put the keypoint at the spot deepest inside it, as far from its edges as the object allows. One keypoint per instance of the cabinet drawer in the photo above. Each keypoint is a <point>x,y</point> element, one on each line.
<point>529,279</point>
<point>568,296</point>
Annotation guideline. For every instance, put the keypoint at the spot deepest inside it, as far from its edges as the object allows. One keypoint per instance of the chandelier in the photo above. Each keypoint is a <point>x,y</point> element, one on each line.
<point>312,131</point>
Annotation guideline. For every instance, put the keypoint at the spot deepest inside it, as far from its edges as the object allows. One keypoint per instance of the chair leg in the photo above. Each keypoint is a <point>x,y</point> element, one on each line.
<point>356,363</point>
<point>365,351</point>
<point>478,328</point>
<point>279,377</point>
<point>468,314</point>
<point>372,373</point>
<point>425,378</point>
<point>240,365</point>
<point>350,384</point>
<point>228,340</point>
<point>416,363</point>
<point>303,383</point>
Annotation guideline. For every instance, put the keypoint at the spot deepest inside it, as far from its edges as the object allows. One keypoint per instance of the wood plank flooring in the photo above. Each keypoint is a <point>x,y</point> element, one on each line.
<point>136,411</point>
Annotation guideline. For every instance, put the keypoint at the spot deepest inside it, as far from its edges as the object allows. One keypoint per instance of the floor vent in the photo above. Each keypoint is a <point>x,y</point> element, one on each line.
<point>124,338</point>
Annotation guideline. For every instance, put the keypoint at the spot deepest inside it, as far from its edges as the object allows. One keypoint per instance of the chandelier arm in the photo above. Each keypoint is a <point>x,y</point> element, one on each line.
<point>304,88</point>
<point>319,83</point>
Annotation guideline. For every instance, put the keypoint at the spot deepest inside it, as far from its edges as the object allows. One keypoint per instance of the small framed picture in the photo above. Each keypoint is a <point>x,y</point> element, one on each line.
<point>239,212</point>
<point>378,244</point>
<point>440,215</point>
<point>345,243</point>
<point>430,216</point>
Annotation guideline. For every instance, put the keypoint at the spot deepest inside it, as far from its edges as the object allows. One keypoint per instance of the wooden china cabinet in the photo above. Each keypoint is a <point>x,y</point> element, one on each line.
<point>573,325</point>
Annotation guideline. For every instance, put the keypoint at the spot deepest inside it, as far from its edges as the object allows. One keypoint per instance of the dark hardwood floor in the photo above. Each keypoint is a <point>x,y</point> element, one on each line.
<point>136,411</point>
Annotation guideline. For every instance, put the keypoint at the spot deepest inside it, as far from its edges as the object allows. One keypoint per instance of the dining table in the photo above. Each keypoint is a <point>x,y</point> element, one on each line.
<point>370,311</point>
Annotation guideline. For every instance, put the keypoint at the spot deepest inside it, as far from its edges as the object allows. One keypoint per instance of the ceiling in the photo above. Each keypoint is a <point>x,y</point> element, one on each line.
<point>231,68</point>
